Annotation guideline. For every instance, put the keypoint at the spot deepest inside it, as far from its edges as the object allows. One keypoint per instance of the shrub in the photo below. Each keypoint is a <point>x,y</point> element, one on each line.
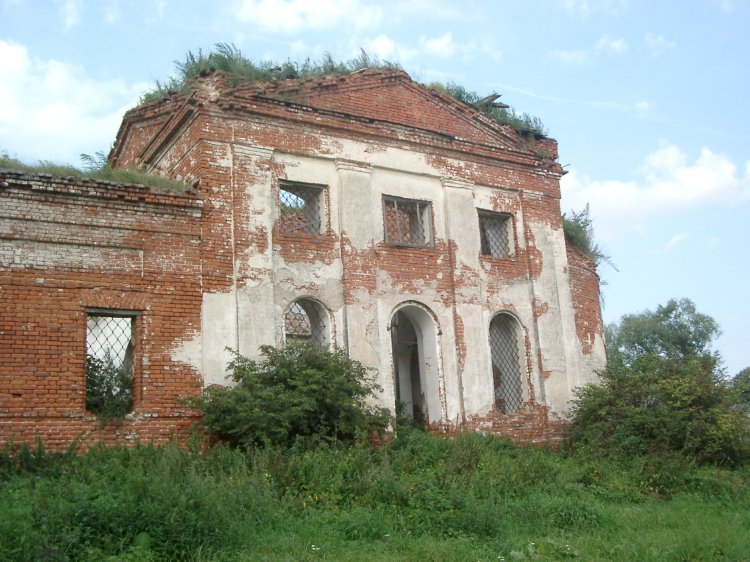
<point>295,391</point>
<point>109,388</point>
<point>663,392</point>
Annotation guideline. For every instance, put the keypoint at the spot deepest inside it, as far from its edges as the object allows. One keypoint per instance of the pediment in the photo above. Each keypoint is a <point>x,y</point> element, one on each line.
<point>391,96</point>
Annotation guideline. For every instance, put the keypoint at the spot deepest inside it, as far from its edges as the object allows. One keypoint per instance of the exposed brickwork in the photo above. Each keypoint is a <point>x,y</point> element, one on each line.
<point>584,285</point>
<point>214,268</point>
<point>70,244</point>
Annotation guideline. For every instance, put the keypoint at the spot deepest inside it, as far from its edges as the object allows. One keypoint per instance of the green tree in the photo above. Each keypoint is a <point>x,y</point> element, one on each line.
<point>741,388</point>
<point>663,391</point>
<point>295,391</point>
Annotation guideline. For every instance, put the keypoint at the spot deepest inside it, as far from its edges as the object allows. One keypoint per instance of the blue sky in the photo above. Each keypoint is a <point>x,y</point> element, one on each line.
<point>648,101</point>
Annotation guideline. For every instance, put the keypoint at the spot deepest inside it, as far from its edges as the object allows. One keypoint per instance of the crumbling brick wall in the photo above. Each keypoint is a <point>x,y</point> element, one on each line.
<point>219,269</point>
<point>72,245</point>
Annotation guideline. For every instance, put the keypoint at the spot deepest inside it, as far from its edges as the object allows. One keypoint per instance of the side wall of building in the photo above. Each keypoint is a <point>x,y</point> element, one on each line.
<point>70,248</point>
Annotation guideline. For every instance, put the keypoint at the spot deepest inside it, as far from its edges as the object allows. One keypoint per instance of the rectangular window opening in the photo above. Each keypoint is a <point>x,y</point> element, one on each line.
<point>496,234</point>
<point>301,209</point>
<point>110,362</point>
<point>407,222</point>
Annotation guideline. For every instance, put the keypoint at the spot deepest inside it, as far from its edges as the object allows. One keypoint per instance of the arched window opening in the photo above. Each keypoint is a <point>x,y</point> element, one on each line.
<point>306,320</point>
<point>506,348</point>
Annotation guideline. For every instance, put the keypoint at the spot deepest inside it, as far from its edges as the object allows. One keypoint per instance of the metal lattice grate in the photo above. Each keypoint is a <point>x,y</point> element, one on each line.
<point>109,365</point>
<point>305,321</point>
<point>110,339</point>
<point>300,208</point>
<point>506,363</point>
<point>496,236</point>
<point>407,222</point>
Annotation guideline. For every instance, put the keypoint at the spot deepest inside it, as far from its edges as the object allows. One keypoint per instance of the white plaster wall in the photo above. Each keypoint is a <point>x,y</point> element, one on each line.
<point>357,175</point>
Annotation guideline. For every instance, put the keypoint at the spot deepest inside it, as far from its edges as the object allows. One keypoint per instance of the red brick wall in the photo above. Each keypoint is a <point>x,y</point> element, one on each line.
<point>584,287</point>
<point>69,244</point>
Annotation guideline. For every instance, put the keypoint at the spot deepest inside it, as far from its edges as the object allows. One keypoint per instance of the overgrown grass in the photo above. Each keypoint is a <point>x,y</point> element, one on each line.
<point>95,168</point>
<point>416,498</point>
<point>239,69</point>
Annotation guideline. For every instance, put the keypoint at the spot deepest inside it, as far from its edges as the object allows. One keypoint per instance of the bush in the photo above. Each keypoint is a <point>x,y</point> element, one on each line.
<point>296,391</point>
<point>109,389</point>
<point>663,392</point>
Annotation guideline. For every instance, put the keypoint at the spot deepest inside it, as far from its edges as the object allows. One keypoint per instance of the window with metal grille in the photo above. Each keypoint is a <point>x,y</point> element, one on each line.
<point>306,321</point>
<point>496,234</point>
<point>110,362</point>
<point>506,350</point>
<point>407,222</point>
<point>301,208</point>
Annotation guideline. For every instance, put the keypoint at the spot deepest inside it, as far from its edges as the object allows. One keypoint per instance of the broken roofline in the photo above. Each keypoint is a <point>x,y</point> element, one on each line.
<point>332,97</point>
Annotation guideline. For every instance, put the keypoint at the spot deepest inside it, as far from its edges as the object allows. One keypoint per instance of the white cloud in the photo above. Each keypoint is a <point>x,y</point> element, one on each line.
<point>586,8</point>
<point>666,182</point>
<point>293,16</point>
<point>442,46</point>
<point>611,45</point>
<point>157,10</point>
<point>112,12</point>
<point>569,57</point>
<point>727,6</point>
<point>70,13</point>
<point>50,110</point>
<point>677,239</point>
<point>713,242</point>
<point>386,48</point>
<point>658,44</point>
<point>604,46</point>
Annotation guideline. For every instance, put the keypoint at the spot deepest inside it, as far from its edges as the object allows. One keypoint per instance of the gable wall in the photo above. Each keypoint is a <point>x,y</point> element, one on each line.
<point>362,280</point>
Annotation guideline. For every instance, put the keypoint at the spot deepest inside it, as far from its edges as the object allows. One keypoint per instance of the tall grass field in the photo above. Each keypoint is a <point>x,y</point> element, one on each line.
<point>417,497</point>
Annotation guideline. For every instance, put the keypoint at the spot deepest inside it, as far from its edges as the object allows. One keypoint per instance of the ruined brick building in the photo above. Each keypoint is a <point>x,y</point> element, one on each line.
<point>364,211</point>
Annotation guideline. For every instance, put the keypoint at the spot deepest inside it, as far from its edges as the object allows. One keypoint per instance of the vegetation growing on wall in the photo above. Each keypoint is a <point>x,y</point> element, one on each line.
<point>579,230</point>
<point>94,167</point>
<point>503,114</point>
<point>239,69</point>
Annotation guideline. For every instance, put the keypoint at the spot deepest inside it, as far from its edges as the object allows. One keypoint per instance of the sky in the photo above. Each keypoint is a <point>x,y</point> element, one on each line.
<point>649,102</point>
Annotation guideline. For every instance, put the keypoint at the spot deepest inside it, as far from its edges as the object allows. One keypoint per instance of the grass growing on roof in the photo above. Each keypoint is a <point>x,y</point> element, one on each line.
<point>96,168</point>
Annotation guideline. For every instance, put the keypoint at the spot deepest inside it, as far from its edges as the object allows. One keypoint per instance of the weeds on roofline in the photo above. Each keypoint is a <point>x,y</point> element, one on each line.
<point>239,69</point>
<point>94,167</point>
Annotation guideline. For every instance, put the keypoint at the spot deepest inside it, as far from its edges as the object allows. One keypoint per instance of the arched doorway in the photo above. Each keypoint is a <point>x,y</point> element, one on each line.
<point>416,373</point>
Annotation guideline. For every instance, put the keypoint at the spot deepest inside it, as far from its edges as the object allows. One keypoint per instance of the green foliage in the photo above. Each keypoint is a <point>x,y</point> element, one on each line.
<point>741,388</point>
<point>95,167</point>
<point>675,331</point>
<point>521,122</point>
<point>417,497</point>
<point>239,69</point>
<point>663,392</point>
<point>579,230</point>
<point>296,391</point>
<point>109,388</point>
